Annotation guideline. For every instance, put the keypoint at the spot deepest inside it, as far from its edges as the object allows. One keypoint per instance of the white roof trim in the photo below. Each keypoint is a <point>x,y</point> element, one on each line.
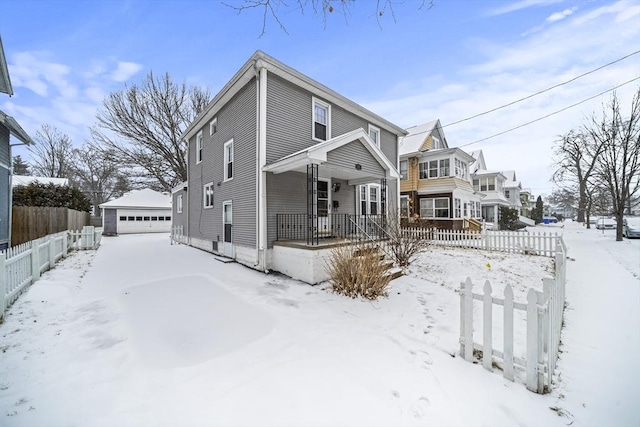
<point>318,154</point>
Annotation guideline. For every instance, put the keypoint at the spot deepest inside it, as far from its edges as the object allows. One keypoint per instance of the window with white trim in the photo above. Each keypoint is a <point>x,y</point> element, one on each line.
<point>434,169</point>
<point>506,194</point>
<point>228,160</point>
<point>404,170</point>
<point>321,120</point>
<point>374,134</point>
<point>484,184</point>
<point>435,143</point>
<point>369,199</point>
<point>208,195</point>
<point>461,169</point>
<point>213,126</point>
<point>199,146</point>
<point>457,208</point>
<point>179,203</point>
<point>434,208</point>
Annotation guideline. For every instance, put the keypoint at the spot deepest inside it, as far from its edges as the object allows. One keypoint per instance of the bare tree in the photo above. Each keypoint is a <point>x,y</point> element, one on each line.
<point>576,157</point>
<point>97,175</point>
<point>51,153</point>
<point>618,165</point>
<point>140,128</point>
<point>322,8</point>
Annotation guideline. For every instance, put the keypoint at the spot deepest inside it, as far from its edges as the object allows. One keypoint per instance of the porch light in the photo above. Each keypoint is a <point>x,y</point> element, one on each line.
<point>358,166</point>
<point>336,187</point>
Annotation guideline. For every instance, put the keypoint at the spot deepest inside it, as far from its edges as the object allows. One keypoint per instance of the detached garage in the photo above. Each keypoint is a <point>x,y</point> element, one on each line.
<point>139,211</point>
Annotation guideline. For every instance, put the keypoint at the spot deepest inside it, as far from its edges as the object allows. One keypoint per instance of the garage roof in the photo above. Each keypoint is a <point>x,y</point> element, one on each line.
<point>146,198</point>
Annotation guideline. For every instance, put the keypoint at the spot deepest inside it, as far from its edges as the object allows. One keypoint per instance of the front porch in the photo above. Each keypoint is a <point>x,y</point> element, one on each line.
<point>306,229</point>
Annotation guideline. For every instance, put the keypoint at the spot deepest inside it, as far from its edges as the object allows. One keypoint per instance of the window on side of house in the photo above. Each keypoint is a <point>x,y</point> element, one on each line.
<point>321,120</point>
<point>476,185</point>
<point>423,170</point>
<point>213,126</point>
<point>491,184</point>
<point>374,134</point>
<point>208,195</point>
<point>199,147</point>
<point>506,193</point>
<point>374,199</point>
<point>435,143</point>
<point>444,168</point>
<point>404,170</point>
<point>461,169</point>
<point>228,160</point>
<point>483,184</point>
<point>178,204</point>
<point>433,169</point>
<point>457,208</point>
<point>369,199</point>
<point>434,208</point>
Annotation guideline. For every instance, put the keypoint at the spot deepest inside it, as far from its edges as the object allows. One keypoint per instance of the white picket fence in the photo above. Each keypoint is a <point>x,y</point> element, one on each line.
<point>544,311</point>
<point>22,265</point>
<point>535,243</point>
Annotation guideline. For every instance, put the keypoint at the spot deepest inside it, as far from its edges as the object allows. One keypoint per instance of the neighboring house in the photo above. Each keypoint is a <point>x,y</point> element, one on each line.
<point>279,166</point>
<point>490,184</point>
<point>26,180</point>
<point>512,189</point>
<point>139,211</point>
<point>8,127</point>
<point>527,202</point>
<point>435,184</point>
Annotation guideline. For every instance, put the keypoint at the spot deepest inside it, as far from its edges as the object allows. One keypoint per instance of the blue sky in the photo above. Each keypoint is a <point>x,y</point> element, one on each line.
<point>452,61</point>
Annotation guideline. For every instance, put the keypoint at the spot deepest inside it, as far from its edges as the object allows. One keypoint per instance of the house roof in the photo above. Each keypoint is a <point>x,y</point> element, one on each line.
<point>18,180</point>
<point>461,154</point>
<point>317,154</point>
<point>416,136</point>
<point>479,164</point>
<point>146,198</point>
<point>5,81</point>
<point>511,181</point>
<point>15,129</point>
<point>261,60</point>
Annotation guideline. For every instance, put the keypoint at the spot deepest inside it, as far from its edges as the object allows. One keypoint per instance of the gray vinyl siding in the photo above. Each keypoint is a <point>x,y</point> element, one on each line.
<point>237,120</point>
<point>290,121</point>
<point>5,187</point>
<point>5,149</point>
<point>348,155</point>
<point>178,219</point>
<point>286,194</point>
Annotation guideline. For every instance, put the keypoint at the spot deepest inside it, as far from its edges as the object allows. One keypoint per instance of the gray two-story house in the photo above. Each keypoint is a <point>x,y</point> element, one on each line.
<point>281,167</point>
<point>8,127</point>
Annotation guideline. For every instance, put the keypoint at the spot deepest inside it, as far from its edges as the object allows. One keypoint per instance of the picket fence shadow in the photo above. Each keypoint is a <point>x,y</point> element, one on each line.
<point>22,265</point>
<point>544,311</point>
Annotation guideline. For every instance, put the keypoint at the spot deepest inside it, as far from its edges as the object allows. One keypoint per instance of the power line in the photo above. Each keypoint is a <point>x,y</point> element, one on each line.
<point>550,114</point>
<point>543,91</point>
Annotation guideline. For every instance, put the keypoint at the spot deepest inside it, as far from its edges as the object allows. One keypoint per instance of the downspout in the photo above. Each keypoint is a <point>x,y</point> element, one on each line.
<point>188,197</point>
<point>261,155</point>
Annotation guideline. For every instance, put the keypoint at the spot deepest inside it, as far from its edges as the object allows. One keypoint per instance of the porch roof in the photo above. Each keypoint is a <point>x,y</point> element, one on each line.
<point>317,154</point>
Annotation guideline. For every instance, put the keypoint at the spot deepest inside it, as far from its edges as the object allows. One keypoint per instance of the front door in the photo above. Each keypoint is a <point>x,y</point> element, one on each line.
<point>324,207</point>
<point>227,232</point>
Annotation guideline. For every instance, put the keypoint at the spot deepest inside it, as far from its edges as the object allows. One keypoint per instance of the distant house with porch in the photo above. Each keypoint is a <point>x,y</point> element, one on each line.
<point>9,128</point>
<point>435,184</point>
<point>279,165</point>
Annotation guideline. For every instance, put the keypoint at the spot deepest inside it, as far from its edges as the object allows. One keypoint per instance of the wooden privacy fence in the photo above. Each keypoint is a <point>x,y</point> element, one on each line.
<point>32,222</point>
<point>544,311</point>
<point>22,265</point>
<point>535,243</point>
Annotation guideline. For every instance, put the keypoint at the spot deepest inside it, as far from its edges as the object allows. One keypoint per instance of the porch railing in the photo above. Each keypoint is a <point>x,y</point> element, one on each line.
<point>313,229</point>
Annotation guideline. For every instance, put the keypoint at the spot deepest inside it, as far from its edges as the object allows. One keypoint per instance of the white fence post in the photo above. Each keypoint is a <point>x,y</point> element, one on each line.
<point>52,251</point>
<point>487,327</point>
<point>35,260</point>
<point>508,333</point>
<point>468,320</point>
<point>3,283</point>
<point>65,247</point>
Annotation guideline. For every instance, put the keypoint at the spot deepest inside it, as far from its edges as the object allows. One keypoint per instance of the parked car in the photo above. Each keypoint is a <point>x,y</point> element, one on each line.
<point>606,224</point>
<point>549,220</point>
<point>631,227</point>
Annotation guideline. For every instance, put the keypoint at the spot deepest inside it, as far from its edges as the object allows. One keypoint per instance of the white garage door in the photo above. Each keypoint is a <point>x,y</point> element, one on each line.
<point>144,221</point>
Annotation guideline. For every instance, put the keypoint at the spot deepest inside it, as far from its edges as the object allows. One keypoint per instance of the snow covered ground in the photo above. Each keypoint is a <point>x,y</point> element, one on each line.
<point>141,333</point>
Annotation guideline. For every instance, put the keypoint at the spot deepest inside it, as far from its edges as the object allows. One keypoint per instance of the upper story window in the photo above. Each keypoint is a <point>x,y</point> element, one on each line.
<point>179,203</point>
<point>213,126</point>
<point>507,194</point>
<point>374,133</point>
<point>404,170</point>
<point>208,195</point>
<point>461,169</point>
<point>321,120</point>
<point>199,147</point>
<point>435,143</point>
<point>484,184</point>
<point>434,169</point>
<point>228,160</point>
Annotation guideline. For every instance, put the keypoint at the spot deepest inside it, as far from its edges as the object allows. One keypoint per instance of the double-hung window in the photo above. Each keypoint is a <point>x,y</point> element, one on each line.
<point>199,147</point>
<point>457,208</point>
<point>404,206</point>
<point>179,203</point>
<point>228,160</point>
<point>369,195</point>
<point>433,169</point>
<point>208,195</point>
<point>374,134</point>
<point>444,167</point>
<point>404,170</point>
<point>321,120</point>
<point>460,169</point>
<point>506,194</point>
<point>213,126</point>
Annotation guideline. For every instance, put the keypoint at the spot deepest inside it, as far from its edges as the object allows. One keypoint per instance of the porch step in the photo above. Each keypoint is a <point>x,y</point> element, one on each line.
<point>223,259</point>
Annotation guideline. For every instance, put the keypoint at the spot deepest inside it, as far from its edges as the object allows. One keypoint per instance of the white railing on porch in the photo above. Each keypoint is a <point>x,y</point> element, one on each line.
<point>177,235</point>
<point>22,265</point>
<point>535,243</point>
<point>544,311</point>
